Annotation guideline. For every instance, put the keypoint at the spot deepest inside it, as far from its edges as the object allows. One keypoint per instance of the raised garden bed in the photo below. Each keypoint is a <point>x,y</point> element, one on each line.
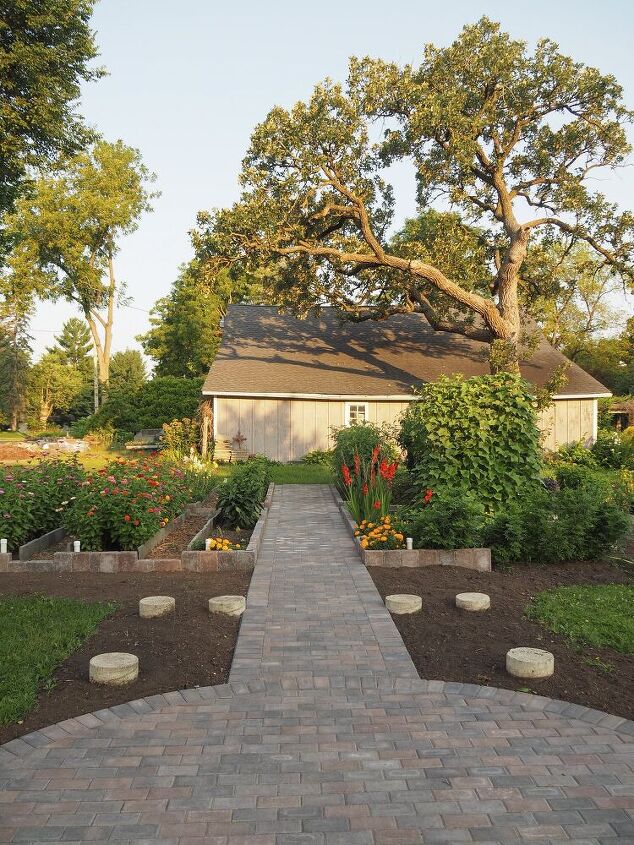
<point>185,649</point>
<point>453,645</point>
<point>478,559</point>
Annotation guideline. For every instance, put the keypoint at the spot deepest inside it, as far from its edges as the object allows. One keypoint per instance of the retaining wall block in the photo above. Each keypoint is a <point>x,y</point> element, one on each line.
<point>200,561</point>
<point>5,560</point>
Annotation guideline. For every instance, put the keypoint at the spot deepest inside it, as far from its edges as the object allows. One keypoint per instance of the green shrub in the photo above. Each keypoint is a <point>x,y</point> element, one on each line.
<point>241,497</point>
<point>577,453</point>
<point>362,439</point>
<point>322,457</point>
<point>613,451</point>
<point>404,491</point>
<point>580,523</point>
<point>478,433</point>
<point>453,519</point>
<point>180,437</point>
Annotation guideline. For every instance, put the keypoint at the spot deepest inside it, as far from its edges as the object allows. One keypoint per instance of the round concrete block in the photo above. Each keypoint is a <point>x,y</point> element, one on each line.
<point>473,601</point>
<point>530,663</point>
<point>115,668</point>
<point>231,605</point>
<point>152,606</point>
<point>402,603</point>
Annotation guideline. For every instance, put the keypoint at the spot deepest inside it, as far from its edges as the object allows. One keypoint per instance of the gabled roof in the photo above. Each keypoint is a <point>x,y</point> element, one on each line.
<point>266,353</point>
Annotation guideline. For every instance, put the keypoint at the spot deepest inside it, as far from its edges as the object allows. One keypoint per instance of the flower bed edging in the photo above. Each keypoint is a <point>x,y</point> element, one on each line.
<point>479,559</point>
<point>51,538</point>
<point>205,532</point>
<point>241,560</point>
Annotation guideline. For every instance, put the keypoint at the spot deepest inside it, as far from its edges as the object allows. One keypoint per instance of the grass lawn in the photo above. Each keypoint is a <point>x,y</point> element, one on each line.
<point>36,634</point>
<point>301,474</point>
<point>10,436</point>
<point>601,616</point>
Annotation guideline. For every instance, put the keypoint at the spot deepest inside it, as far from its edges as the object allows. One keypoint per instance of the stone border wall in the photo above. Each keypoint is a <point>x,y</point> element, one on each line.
<point>27,550</point>
<point>109,562</point>
<point>479,559</point>
<point>206,531</point>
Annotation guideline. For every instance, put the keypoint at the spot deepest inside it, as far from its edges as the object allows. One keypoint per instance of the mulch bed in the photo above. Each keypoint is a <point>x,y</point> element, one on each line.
<point>185,649</point>
<point>454,645</point>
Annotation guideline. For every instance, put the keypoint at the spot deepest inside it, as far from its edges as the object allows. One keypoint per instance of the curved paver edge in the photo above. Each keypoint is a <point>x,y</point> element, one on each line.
<point>84,724</point>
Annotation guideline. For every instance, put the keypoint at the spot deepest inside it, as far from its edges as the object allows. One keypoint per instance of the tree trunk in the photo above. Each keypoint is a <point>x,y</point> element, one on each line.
<point>103,347</point>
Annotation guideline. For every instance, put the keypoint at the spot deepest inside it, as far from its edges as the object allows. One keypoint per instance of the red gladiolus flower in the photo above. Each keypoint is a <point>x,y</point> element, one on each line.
<point>357,464</point>
<point>364,489</point>
<point>388,470</point>
<point>375,454</point>
<point>347,479</point>
<point>427,496</point>
<point>376,505</point>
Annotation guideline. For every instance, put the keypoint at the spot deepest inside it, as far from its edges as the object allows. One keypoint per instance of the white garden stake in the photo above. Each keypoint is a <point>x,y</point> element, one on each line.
<point>208,544</point>
<point>3,546</point>
<point>76,545</point>
<point>409,543</point>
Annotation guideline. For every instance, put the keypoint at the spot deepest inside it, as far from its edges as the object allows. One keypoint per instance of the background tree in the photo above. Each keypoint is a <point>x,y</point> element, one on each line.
<point>74,344</point>
<point>52,386</point>
<point>185,325</point>
<point>67,232</point>
<point>127,371</point>
<point>45,51</point>
<point>507,137</point>
<point>15,359</point>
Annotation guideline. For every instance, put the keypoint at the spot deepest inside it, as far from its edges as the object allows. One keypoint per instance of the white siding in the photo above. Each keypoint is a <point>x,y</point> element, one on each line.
<point>285,429</point>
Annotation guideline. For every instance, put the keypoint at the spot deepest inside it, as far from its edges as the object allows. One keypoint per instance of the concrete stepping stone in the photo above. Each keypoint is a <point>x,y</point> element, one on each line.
<point>473,601</point>
<point>152,606</point>
<point>115,668</point>
<point>402,603</point>
<point>230,605</point>
<point>530,663</point>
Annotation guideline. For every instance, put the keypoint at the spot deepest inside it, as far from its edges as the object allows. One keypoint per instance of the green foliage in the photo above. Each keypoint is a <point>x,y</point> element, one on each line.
<point>577,453</point>
<point>241,497</point>
<point>73,344</point>
<point>127,502</point>
<point>158,401</point>
<point>321,457</point>
<point>613,451</point>
<point>452,519</point>
<point>127,371</point>
<point>601,616</point>
<point>47,49</point>
<point>33,499</point>
<point>478,434</point>
<point>37,633</point>
<point>52,386</point>
<point>579,523</point>
<point>361,439</point>
<point>185,329</point>
<point>180,437</point>
<point>301,474</point>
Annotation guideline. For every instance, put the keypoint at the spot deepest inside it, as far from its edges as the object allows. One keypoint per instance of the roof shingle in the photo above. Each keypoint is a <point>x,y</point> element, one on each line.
<point>264,352</point>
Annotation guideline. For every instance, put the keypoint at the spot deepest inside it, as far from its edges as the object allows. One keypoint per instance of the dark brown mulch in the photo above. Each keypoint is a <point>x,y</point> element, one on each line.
<point>179,538</point>
<point>186,649</point>
<point>454,645</point>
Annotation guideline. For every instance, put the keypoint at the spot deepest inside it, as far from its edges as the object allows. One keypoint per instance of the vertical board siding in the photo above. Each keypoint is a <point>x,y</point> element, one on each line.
<point>286,429</point>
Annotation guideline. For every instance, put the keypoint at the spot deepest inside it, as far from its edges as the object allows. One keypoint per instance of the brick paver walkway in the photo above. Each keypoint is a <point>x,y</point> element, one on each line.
<point>324,735</point>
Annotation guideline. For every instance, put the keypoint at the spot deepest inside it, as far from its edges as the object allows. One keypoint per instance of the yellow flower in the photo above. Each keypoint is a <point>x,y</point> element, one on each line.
<point>370,525</point>
<point>398,537</point>
<point>364,543</point>
<point>356,533</point>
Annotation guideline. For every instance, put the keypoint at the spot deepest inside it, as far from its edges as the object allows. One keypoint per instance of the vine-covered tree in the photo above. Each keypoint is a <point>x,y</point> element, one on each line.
<point>46,47</point>
<point>67,234</point>
<point>508,137</point>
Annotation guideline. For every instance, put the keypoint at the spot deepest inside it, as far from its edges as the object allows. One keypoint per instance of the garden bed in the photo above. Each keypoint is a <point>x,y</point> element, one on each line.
<point>185,649</point>
<point>452,645</point>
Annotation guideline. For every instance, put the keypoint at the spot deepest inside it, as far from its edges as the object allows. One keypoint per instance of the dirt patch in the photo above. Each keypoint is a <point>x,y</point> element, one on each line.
<point>9,452</point>
<point>185,649</point>
<point>454,645</point>
<point>178,539</point>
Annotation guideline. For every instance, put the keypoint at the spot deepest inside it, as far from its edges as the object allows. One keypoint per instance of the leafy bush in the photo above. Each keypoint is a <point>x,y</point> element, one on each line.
<point>478,433</point>
<point>241,497</point>
<point>180,437</point>
<point>404,491</point>
<point>123,505</point>
<point>543,527</point>
<point>613,451</point>
<point>450,519</point>
<point>33,499</point>
<point>323,457</point>
<point>362,439</point>
<point>576,453</point>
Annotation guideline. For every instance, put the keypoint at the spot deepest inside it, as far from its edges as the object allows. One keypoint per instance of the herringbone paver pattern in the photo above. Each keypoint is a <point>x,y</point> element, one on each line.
<point>324,735</point>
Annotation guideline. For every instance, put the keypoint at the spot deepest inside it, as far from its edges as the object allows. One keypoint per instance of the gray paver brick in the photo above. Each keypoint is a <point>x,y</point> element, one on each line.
<point>325,735</point>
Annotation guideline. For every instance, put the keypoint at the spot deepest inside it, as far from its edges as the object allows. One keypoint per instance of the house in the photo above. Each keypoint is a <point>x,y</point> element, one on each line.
<point>279,384</point>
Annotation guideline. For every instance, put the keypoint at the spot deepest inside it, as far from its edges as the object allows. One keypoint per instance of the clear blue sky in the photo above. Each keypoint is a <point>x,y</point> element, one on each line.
<point>188,82</point>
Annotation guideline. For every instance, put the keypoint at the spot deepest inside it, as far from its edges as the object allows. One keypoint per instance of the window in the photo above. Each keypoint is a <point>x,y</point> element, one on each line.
<point>356,412</point>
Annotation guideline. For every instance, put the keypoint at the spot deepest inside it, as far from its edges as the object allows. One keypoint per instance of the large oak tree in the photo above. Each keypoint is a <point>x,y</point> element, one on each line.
<point>508,138</point>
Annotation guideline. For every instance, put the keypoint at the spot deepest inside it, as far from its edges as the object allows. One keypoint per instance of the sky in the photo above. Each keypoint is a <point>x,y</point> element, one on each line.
<point>189,81</point>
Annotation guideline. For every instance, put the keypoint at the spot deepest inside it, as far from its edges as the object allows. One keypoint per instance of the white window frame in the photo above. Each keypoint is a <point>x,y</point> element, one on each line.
<point>347,406</point>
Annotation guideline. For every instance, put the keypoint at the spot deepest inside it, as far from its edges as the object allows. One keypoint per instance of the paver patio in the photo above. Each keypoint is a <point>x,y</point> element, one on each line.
<point>324,735</point>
